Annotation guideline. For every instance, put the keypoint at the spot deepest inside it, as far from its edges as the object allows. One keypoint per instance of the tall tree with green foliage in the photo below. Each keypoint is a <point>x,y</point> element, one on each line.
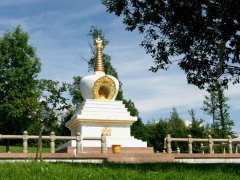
<point>156,133</point>
<point>50,110</point>
<point>177,129</point>
<point>177,125</point>
<point>52,106</point>
<point>138,129</point>
<point>196,128</point>
<point>203,34</point>
<point>19,67</point>
<point>224,123</point>
<point>216,105</point>
<point>210,105</point>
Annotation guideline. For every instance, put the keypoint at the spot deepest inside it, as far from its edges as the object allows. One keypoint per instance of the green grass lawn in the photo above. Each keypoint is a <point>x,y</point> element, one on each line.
<point>19,149</point>
<point>37,170</point>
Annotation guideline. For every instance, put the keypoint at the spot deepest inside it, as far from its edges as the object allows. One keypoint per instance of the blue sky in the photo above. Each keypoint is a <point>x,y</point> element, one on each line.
<point>58,29</point>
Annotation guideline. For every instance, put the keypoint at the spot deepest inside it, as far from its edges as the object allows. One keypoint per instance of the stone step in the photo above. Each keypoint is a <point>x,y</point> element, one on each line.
<point>124,150</point>
<point>140,158</point>
<point>123,157</point>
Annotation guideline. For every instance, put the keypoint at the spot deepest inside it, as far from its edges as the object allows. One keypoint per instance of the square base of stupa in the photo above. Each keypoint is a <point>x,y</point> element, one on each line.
<point>95,117</point>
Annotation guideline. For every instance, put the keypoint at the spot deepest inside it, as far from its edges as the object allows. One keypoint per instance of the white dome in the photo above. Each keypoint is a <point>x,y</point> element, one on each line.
<point>91,86</point>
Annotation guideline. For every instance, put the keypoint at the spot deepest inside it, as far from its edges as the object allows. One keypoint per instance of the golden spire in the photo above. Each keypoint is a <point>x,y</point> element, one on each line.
<point>99,62</point>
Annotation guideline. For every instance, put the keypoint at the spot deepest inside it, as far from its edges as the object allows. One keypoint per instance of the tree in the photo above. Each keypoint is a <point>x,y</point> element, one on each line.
<point>204,34</point>
<point>210,105</point>
<point>224,123</point>
<point>138,129</point>
<point>50,110</point>
<point>74,90</point>
<point>177,129</point>
<point>156,133</point>
<point>216,105</point>
<point>177,125</point>
<point>52,106</point>
<point>19,67</point>
<point>196,128</point>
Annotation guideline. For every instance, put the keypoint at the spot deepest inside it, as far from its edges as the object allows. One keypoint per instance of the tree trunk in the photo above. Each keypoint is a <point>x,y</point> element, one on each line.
<point>39,145</point>
<point>7,146</point>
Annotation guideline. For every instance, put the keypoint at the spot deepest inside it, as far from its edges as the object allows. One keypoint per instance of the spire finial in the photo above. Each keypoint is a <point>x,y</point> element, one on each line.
<point>99,62</point>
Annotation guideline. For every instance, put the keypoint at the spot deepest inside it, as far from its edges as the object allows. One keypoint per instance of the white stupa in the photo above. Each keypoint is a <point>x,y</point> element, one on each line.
<point>100,112</point>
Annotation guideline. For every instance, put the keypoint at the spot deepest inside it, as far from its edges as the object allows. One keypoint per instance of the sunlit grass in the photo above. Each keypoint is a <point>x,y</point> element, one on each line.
<point>36,170</point>
<point>19,149</point>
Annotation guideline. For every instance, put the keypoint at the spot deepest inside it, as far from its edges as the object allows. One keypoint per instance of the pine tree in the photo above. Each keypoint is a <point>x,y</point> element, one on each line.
<point>216,105</point>
<point>196,129</point>
<point>224,123</point>
<point>210,105</point>
<point>177,125</point>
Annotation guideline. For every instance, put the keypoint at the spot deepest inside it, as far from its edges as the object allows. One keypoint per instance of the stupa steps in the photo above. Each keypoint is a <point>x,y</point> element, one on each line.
<point>126,151</point>
<point>113,110</point>
<point>102,102</point>
<point>100,113</point>
<point>105,106</point>
<point>132,143</point>
<point>105,116</point>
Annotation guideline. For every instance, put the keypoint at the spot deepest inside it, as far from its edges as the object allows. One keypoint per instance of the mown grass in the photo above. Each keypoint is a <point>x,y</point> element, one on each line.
<point>19,149</point>
<point>37,170</point>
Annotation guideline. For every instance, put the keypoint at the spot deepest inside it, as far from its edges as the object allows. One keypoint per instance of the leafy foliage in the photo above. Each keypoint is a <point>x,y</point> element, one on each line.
<point>204,34</point>
<point>138,129</point>
<point>156,133</point>
<point>210,105</point>
<point>51,107</point>
<point>74,90</point>
<point>176,127</point>
<point>19,67</point>
<point>224,123</point>
<point>196,128</point>
<point>216,105</point>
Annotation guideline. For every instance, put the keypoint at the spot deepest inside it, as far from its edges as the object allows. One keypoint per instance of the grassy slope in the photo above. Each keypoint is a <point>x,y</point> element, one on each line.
<point>36,170</point>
